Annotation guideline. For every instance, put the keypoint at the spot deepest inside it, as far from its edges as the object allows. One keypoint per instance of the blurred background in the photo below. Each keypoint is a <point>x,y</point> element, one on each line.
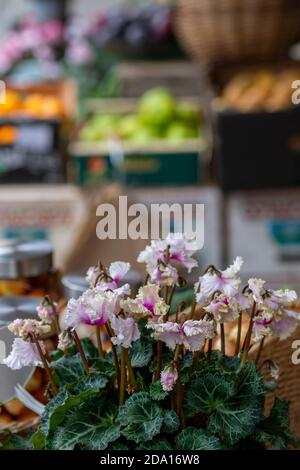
<point>187,101</point>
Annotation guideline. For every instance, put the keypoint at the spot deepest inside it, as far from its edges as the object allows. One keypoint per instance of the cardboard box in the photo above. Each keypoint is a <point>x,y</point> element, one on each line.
<point>264,228</point>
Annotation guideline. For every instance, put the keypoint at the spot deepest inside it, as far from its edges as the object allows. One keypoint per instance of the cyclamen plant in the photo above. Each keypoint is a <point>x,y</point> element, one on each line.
<point>160,384</point>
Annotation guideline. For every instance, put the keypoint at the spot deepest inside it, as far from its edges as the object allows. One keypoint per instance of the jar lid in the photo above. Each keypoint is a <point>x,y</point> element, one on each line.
<point>25,259</point>
<point>15,306</point>
<point>74,285</point>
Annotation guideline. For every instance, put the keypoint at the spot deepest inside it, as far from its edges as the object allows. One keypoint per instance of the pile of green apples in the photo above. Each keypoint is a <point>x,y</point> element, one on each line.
<point>158,116</point>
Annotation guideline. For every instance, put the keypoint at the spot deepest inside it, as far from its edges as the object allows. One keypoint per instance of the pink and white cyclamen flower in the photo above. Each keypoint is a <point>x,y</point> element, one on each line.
<point>27,329</point>
<point>191,334</point>
<point>47,311</point>
<point>226,282</point>
<point>160,256</point>
<point>169,377</point>
<point>147,303</point>
<point>115,275</point>
<point>92,308</point>
<point>126,331</point>
<point>223,308</point>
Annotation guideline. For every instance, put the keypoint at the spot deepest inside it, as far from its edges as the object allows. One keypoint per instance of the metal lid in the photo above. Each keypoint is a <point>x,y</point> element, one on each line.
<point>25,259</point>
<point>74,285</point>
<point>14,306</point>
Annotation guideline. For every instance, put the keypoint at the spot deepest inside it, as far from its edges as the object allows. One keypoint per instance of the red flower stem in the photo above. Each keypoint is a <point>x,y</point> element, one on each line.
<point>159,360</point>
<point>179,387</point>
<point>130,370</point>
<point>55,314</point>
<point>171,295</point>
<point>222,338</point>
<point>115,355</point>
<point>46,366</point>
<point>210,343</point>
<point>238,337</point>
<point>99,342</point>
<point>248,337</point>
<point>56,324</point>
<point>81,352</point>
<point>123,378</point>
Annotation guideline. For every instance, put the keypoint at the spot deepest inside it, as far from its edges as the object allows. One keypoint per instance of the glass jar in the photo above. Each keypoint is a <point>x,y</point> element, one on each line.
<point>14,416</point>
<point>26,268</point>
<point>11,308</point>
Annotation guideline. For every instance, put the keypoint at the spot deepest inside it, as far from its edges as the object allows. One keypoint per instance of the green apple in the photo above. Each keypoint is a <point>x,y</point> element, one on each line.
<point>128,125</point>
<point>157,107</point>
<point>144,135</point>
<point>187,113</point>
<point>178,131</point>
<point>89,133</point>
<point>105,123</point>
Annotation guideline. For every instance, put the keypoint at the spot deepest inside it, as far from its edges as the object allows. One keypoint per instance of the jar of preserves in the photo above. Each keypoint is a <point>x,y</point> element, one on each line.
<point>26,268</point>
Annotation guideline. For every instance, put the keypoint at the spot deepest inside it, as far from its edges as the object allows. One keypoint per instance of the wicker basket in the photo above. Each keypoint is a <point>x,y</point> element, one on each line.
<point>289,378</point>
<point>18,427</point>
<point>236,30</point>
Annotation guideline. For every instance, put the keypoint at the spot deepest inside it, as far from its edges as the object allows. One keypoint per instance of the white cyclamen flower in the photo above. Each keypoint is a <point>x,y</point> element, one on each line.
<point>126,331</point>
<point>160,254</point>
<point>47,311</point>
<point>191,334</point>
<point>147,303</point>
<point>23,354</point>
<point>257,288</point>
<point>227,281</point>
<point>27,329</point>
<point>169,377</point>
<point>94,307</point>
<point>223,308</point>
<point>111,279</point>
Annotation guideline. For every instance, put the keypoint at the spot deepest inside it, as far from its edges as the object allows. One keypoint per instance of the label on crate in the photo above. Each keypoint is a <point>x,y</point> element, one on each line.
<point>35,139</point>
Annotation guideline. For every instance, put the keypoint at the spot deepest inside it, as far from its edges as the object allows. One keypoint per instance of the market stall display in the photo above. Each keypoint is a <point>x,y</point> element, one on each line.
<point>135,141</point>
<point>34,122</point>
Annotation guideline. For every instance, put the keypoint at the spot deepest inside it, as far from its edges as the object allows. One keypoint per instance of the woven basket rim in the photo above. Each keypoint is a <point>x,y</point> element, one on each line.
<point>16,427</point>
